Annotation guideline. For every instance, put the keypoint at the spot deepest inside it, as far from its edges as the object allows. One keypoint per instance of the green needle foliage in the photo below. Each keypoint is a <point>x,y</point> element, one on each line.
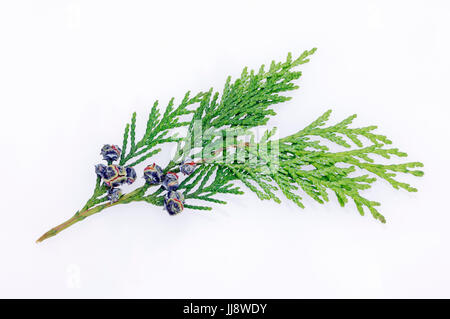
<point>220,138</point>
<point>157,130</point>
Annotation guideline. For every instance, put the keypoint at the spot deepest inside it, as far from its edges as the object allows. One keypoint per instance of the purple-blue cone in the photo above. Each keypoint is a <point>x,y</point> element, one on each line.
<point>114,194</point>
<point>187,167</point>
<point>173,202</point>
<point>114,175</point>
<point>153,174</point>
<point>170,181</point>
<point>100,170</point>
<point>131,175</point>
<point>110,153</point>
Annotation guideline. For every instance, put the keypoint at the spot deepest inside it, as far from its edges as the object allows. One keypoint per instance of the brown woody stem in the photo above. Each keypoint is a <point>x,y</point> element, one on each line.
<point>79,216</point>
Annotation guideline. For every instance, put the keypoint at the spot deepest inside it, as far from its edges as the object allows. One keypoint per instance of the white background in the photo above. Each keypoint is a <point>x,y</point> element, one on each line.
<point>71,74</point>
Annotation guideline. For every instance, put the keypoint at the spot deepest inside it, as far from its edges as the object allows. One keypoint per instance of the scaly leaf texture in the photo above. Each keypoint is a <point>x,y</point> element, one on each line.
<point>295,165</point>
<point>303,161</point>
<point>157,130</point>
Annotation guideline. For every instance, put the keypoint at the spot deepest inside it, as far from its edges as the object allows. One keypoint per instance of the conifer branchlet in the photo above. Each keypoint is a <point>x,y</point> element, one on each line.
<point>222,155</point>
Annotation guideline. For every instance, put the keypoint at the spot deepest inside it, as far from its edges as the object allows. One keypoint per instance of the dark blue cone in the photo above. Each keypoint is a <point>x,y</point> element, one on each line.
<point>170,181</point>
<point>187,167</point>
<point>114,175</point>
<point>110,153</point>
<point>174,202</point>
<point>114,194</point>
<point>131,175</point>
<point>153,174</point>
<point>100,170</point>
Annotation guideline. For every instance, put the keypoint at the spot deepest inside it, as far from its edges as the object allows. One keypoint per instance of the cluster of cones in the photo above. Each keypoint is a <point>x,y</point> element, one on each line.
<point>173,199</point>
<point>114,176</point>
